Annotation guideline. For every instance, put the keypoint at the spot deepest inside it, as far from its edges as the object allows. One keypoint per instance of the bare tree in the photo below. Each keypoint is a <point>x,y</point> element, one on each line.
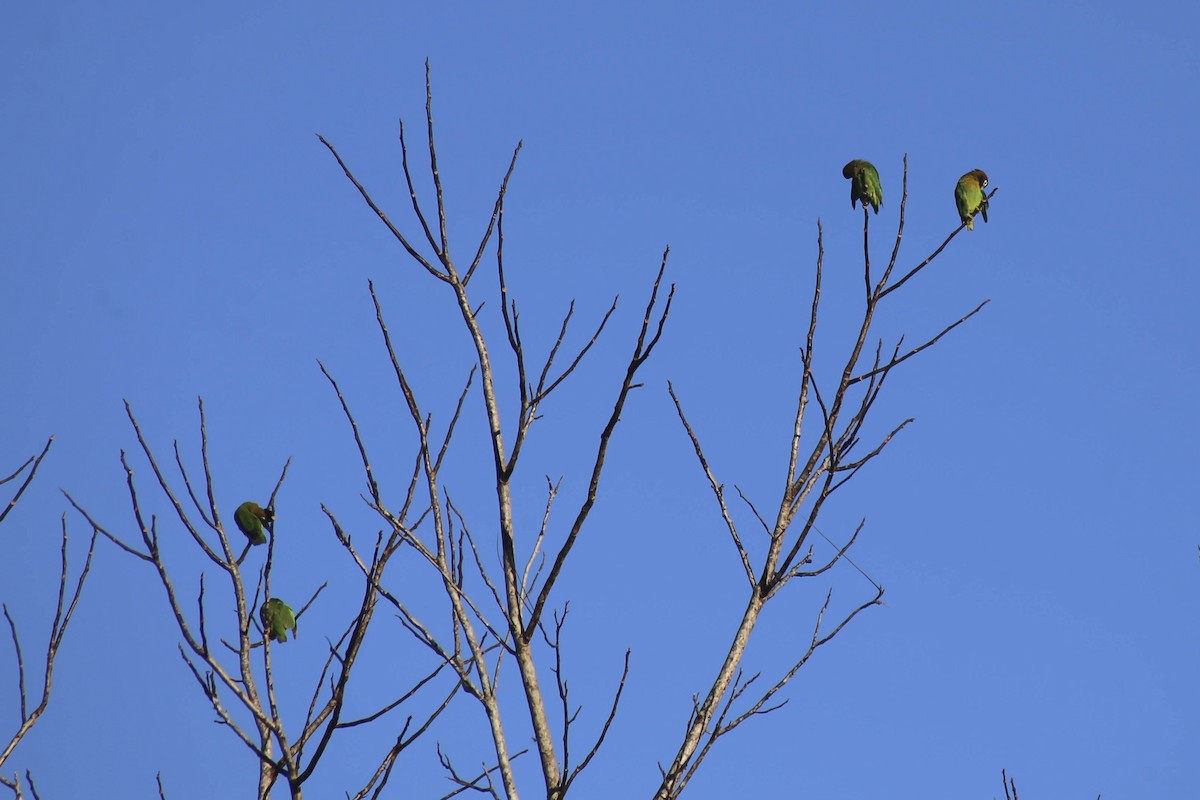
<point>234,670</point>
<point>64,610</point>
<point>506,604</point>
<point>513,606</point>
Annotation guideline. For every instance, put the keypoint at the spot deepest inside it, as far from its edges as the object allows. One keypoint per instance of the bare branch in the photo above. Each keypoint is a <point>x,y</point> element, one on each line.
<point>16,640</point>
<point>551,493</point>
<point>64,611</point>
<point>170,494</point>
<point>867,251</point>
<point>412,192</point>
<point>718,489</point>
<point>641,353</point>
<point>838,556</point>
<point>508,311</point>
<point>894,361</point>
<point>931,257</point>
<point>612,715</point>
<point>402,698</point>
<point>444,250</point>
<point>1010,784</point>
<point>437,464</point>
<point>806,377</point>
<point>384,771</point>
<point>766,528</point>
<point>372,484</point>
<point>887,273</point>
<point>188,485</point>
<point>103,531</point>
<point>481,783</point>
<point>760,707</point>
<point>416,256</point>
<point>37,462</point>
<point>483,573</point>
<point>544,391</point>
<point>497,216</point>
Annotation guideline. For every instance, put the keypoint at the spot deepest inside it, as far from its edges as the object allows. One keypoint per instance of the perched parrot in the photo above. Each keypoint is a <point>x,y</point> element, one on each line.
<point>968,196</point>
<point>864,184</point>
<point>277,617</point>
<point>251,518</point>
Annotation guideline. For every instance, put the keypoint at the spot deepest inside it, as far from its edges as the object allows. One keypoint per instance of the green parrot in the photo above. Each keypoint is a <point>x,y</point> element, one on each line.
<point>969,197</point>
<point>251,518</point>
<point>864,184</point>
<point>277,617</point>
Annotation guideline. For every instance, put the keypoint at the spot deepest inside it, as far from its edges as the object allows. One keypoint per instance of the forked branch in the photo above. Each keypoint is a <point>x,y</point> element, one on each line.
<point>35,461</point>
<point>834,459</point>
<point>64,612</point>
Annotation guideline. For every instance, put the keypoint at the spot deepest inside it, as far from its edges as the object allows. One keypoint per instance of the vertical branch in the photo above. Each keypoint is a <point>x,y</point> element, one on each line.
<point>806,376</point>
<point>444,251</point>
<point>867,251</point>
<point>887,273</point>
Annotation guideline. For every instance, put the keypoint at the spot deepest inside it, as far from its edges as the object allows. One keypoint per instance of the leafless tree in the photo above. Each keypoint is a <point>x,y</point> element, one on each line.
<point>64,609</point>
<point>508,605</point>
<point>513,606</point>
<point>234,670</point>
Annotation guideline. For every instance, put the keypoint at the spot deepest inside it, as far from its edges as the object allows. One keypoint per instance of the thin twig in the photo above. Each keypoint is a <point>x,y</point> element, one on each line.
<point>37,462</point>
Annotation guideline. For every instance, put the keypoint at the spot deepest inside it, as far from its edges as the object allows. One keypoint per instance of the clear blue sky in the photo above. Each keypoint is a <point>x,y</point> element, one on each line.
<point>173,228</point>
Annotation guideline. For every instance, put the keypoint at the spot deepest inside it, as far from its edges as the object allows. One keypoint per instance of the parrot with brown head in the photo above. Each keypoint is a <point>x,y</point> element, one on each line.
<point>969,197</point>
<point>251,518</point>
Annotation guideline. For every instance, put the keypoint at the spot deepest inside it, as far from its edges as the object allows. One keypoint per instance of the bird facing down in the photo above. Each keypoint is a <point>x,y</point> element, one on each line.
<point>969,197</point>
<point>251,518</point>
<point>277,619</point>
<point>864,184</point>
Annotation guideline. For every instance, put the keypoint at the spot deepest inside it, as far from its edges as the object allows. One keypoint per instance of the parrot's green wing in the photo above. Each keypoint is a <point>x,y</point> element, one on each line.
<point>277,619</point>
<point>966,198</point>
<point>250,518</point>
<point>865,186</point>
<point>872,189</point>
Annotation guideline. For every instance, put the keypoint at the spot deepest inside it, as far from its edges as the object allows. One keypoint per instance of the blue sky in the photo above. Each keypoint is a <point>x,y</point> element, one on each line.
<point>173,229</point>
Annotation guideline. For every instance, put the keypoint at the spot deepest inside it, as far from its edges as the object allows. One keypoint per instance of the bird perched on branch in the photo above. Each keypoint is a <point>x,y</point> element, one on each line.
<point>969,197</point>
<point>277,618</point>
<point>864,184</point>
<point>251,518</point>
